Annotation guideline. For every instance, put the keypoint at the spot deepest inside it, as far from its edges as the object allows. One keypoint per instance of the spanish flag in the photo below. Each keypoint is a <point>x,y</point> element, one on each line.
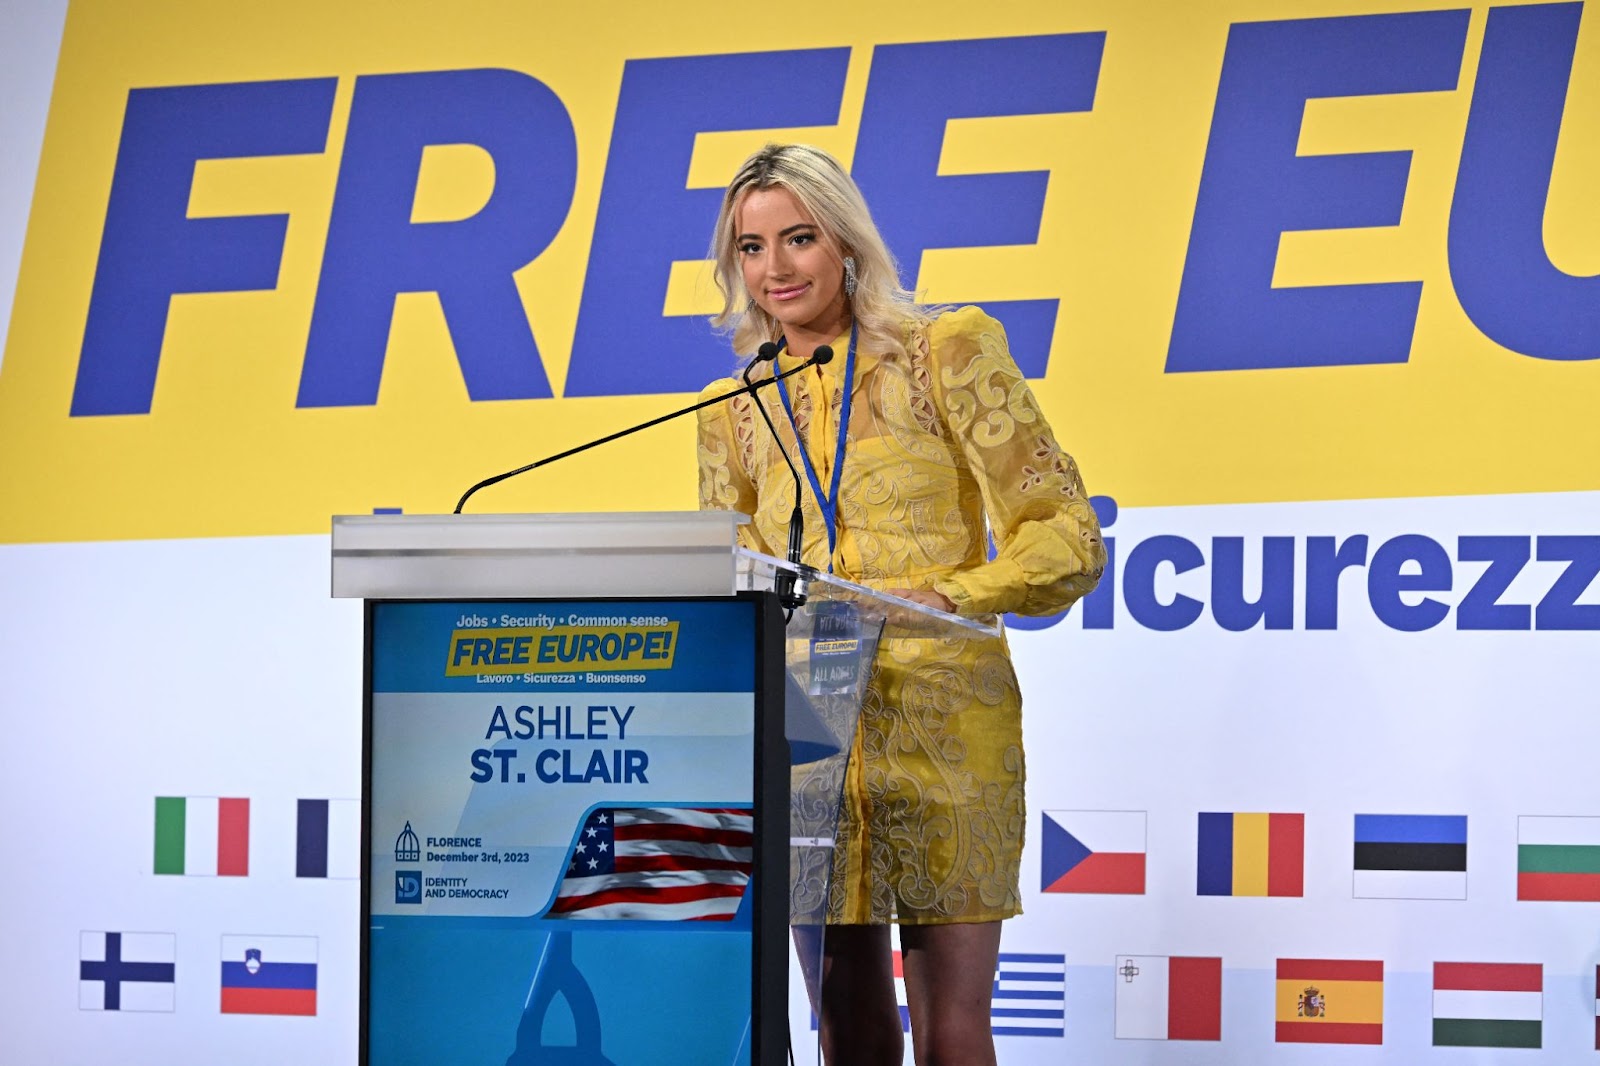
<point>1330,1001</point>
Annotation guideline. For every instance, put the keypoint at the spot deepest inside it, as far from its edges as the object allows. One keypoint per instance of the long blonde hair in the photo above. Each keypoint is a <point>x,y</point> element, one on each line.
<point>883,310</point>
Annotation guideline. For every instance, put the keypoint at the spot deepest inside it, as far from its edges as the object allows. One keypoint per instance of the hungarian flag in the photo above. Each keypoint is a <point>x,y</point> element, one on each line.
<point>1330,1001</point>
<point>1168,997</point>
<point>202,836</point>
<point>1488,1004</point>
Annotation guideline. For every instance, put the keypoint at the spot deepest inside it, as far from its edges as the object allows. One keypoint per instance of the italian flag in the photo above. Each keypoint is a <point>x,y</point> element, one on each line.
<point>1488,1004</point>
<point>1558,858</point>
<point>202,835</point>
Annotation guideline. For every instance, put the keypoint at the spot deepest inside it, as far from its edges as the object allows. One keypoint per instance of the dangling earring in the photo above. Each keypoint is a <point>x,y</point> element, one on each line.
<point>850,275</point>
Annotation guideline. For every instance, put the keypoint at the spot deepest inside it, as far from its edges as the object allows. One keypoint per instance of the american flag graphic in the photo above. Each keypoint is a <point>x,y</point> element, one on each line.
<point>669,864</point>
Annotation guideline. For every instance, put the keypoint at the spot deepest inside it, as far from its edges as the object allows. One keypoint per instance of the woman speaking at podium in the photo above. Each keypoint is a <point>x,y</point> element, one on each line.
<point>921,438</point>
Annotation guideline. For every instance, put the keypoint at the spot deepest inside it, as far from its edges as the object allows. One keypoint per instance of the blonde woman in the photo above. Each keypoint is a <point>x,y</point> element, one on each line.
<point>942,444</point>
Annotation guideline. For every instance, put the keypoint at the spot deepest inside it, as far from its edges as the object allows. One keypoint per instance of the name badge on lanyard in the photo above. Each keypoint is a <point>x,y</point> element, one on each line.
<point>829,504</point>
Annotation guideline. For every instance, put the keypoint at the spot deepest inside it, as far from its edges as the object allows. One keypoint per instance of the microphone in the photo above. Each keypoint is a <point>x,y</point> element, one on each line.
<point>784,584</point>
<point>749,389</point>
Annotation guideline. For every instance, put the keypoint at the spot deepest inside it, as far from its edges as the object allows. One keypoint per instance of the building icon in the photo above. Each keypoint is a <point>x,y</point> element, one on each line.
<point>407,848</point>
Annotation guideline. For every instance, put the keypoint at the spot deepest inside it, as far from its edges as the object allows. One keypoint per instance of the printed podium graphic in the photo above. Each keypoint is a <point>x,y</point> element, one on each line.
<point>562,814</point>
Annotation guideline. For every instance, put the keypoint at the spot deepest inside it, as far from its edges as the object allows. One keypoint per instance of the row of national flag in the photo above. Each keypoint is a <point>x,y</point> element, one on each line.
<point>209,836</point>
<point>1334,1001</point>
<point>127,971</point>
<point>1158,997</point>
<point>1394,856</point>
<point>1316,1001</point>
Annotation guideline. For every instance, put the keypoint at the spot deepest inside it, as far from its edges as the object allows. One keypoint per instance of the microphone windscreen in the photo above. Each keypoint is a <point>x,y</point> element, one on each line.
<point>767,352</point>
<point>823,354</point>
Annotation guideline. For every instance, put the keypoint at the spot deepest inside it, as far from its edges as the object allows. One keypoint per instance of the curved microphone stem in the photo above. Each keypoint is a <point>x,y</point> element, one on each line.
<point>784,584</point>
<point>496,479</point>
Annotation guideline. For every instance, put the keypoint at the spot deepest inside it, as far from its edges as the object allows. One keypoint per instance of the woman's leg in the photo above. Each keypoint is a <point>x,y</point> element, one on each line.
<point>949,972</point>
<point>860,1021</point>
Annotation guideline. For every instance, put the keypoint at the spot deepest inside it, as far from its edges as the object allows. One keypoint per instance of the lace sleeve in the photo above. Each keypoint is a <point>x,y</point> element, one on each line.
<point>724,457</point>
<point>1049,552</point>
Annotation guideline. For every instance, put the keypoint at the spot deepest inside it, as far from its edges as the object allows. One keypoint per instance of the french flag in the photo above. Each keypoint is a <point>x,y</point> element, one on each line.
<point>1093,852</point>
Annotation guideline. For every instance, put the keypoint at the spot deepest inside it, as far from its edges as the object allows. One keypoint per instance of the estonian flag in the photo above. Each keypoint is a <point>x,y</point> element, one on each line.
<point>1411,856</point>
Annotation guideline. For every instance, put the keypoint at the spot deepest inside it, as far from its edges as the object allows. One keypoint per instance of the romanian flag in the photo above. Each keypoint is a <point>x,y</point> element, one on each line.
<point>1251,855</point>
<point>1329,1001</point>
<point>1558,858</point>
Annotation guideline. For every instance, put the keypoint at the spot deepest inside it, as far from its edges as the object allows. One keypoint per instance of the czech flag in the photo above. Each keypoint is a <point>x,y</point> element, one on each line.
<point>1093,852</point>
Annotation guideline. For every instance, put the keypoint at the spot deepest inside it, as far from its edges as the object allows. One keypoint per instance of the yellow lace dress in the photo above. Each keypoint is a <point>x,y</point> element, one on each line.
<point>938,442</point>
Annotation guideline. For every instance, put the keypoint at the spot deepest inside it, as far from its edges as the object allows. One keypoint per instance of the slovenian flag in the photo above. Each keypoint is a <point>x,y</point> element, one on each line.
<point>1411,856</point>
<point>327,839</point>
<point>1488,1004</point>
<point>202,835</point>
<point>1093,852</point>
<point>1169,997</point>
<point>1558,858</point>
<point>1329,1001</point>
<point>269,975</point>
<point>1251,855</point>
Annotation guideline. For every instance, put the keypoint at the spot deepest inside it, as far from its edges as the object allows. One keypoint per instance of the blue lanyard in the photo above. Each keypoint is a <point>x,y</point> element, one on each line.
<point>829,504</point>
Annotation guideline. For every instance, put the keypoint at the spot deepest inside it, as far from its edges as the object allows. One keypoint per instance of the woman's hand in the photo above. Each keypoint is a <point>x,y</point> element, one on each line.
<point>927,597</point>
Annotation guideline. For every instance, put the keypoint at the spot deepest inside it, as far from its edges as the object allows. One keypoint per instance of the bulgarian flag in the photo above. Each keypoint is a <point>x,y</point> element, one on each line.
<point>1558,858</point>
<point>202,835</point>
<point>1488,1004</point>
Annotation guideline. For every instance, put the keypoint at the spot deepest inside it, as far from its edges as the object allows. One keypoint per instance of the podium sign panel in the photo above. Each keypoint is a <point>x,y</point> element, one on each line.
<point>564,830</point>
<point>580,846</point>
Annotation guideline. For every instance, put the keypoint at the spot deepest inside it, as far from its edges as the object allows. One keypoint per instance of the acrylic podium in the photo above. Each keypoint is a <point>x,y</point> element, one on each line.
<point>602,775</point>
